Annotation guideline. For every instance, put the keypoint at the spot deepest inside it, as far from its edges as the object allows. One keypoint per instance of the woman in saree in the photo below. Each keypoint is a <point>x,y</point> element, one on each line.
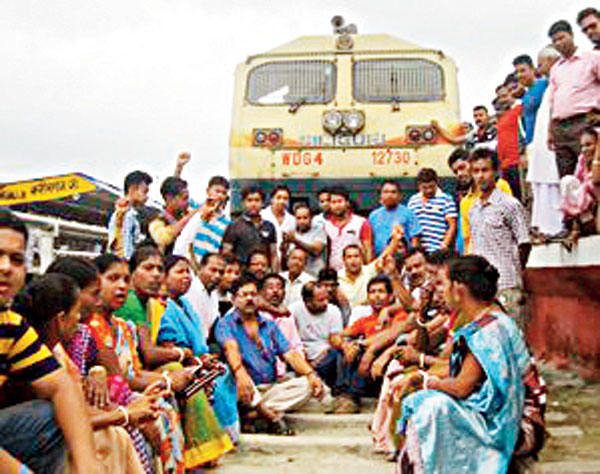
<point>116,342</point>
<point>193,447</point>
<point>403,358</point>
<point>469,419</point>
<point>181,327</point>
<point>82,350</point>
<point>53,307</point>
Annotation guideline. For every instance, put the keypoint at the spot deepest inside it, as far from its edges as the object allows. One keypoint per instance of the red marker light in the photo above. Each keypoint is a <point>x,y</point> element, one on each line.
<point>414,135</point>
<point>274,137</point>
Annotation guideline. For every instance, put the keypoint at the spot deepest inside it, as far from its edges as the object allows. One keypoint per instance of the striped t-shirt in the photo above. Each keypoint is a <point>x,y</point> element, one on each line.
<point>432,215</point>
<point>23,357</point>
<point>205,236</point>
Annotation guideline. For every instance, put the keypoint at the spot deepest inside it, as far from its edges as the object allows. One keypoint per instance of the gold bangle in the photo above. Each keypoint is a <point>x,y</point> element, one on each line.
<point>126,413</point>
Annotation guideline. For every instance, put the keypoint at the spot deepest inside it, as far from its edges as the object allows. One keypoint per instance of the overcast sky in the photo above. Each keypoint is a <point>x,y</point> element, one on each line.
<point>105,87</point>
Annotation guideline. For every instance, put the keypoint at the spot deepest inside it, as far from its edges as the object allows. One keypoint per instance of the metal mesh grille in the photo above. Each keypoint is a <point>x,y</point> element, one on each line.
<point>291,82</point>
<point>401,80</point>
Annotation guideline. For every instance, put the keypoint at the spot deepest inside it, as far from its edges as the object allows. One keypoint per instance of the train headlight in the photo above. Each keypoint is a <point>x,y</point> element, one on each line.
<point>260,137</point>
<point>332,121</point>
<point>428,134</point>
<point>354,121</point>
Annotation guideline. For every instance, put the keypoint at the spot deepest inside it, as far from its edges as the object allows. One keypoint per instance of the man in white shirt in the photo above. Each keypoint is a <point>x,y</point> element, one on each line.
<point>309,236</point>
<point>277,214</point>
<point>320,327</point>
<point>295,277</point>
<point>353,278</point>
<point>202,293</point>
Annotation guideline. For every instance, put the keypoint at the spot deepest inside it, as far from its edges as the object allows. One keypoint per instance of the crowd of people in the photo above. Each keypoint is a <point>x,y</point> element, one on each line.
<point>544,132</point>
<point>192,328</point>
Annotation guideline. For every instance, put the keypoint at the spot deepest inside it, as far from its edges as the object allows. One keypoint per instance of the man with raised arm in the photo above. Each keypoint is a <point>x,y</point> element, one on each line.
<point>125,228</point>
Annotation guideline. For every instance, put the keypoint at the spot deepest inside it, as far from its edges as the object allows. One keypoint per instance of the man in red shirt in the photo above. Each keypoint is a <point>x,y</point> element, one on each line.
<point>508,137</point>
<point>363,348</point>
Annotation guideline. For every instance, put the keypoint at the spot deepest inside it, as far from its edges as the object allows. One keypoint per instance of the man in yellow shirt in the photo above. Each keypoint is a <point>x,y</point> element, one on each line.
<point>459,164</point>
<point>38,432</point>
<point>165,228</point>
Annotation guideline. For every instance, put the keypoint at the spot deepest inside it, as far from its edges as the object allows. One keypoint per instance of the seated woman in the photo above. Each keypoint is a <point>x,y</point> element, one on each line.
<point>409,351</point>
<point>469,420</point>
<point>181,327</point>
<point>113,335</point>
<point>579,194</point>
<point>52,307</point>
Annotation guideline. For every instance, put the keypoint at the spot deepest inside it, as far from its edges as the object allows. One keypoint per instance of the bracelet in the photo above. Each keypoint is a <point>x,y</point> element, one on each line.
<point>168,380</point>
<point>426,378</point>
<point>126,413</point>
<point>181,353</point>
<point>422,360</point>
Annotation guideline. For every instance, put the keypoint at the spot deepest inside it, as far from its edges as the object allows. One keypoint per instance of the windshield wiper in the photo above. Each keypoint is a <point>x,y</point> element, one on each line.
<point>294,106</point>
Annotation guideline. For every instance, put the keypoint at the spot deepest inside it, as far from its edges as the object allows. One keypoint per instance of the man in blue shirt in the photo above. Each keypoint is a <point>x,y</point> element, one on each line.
<point>124,228</point>
<point>532,89</point>
<point>252,345</point>
<point>390,214</point>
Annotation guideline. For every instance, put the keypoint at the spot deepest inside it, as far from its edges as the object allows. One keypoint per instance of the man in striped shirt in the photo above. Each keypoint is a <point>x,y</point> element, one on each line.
<point>205,230</point>
<point>29,433</point>
<point>435,211</point>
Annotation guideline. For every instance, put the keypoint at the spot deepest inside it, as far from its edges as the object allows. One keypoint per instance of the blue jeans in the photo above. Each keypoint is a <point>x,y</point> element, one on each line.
<point>330,367</point>
<point>28,431</point>
<point>359,386</point>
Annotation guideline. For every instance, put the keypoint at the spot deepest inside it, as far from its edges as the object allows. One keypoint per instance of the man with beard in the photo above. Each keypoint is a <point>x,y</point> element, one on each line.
<point>308,236</point>
<point>328,279</point>
<point>252,346</point>
<point>343,228</point>
<point>465,195</point>
<point>320,327</point>
<point>415,272</point>
<point>588,20</point>
<point>499,231</point>
<point>271,305</point>
<point>143,308</point>
<point>258,264</point>
<point>165,228</point>
<point>390,214</point>
<point>486,131</point>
